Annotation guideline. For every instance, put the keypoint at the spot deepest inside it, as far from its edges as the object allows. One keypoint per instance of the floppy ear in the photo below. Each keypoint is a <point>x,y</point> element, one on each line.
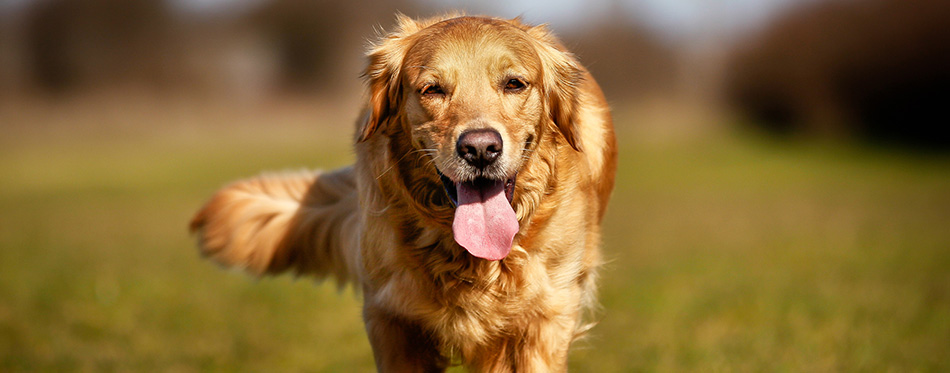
<point>383,82</point>
<point>383,78</point>
<point>562,75</point>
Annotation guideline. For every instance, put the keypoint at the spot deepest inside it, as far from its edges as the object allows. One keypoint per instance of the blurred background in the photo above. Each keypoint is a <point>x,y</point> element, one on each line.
<point>783,197</point>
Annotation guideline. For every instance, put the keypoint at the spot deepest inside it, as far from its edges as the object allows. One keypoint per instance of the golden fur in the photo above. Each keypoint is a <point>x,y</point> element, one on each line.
<point>385,224</point>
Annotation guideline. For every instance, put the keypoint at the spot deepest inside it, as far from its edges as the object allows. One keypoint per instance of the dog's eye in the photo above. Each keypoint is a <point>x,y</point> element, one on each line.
<point>431,89</point>
<point>515,85</point>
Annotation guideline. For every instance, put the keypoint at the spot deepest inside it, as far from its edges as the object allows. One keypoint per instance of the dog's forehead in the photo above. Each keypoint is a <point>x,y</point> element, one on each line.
<point>473,41</point>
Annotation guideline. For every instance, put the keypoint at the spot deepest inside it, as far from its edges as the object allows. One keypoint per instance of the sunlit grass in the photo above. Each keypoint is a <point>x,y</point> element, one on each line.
<point>726,252</point>
<point>741,254</point>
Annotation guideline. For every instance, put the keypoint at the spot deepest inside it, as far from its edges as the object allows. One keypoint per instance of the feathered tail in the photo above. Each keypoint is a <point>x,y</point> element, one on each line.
<point>306,222</point>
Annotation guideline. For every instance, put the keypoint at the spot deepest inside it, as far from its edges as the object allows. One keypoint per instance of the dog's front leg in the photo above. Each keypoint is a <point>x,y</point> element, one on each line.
<point>541,347</point>
<point>401,346</point>
<point>544,345</point>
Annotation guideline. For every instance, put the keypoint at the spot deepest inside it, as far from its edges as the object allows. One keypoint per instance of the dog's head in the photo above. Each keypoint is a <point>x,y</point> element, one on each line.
<point>476,95</point>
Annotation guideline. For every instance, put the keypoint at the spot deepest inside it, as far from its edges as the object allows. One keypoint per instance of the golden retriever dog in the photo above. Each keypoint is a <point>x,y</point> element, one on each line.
<point>471,219</point>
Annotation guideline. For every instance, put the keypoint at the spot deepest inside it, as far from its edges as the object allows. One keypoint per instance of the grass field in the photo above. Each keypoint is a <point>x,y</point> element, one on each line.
<point>727,251</point>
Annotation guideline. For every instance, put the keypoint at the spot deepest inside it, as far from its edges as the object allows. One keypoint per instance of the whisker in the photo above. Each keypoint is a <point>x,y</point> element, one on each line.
<point>433,158</point>
<point>525,153</point>
<point>428,152</point>
<point>393,165</point>
<point>430,162</point>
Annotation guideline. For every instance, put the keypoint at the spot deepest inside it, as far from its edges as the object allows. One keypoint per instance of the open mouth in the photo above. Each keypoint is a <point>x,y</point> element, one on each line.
<point>452,188</point>
<point>485,223</point>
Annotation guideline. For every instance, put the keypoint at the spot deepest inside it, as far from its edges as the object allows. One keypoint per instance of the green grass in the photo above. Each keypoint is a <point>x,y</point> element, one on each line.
<point>744,255</point>
<point>727,252</point>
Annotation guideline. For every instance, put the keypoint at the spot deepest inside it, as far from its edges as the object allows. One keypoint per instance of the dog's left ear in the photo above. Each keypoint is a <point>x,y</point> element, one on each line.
<point>383,75</point>
<point>562,75</point>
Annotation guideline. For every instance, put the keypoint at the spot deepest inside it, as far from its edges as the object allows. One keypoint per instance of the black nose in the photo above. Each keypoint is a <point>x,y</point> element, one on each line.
<point>479,148</point>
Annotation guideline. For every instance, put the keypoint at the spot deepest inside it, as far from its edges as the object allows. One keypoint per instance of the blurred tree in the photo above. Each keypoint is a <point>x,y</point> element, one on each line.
<point>316,41</point>
<point>876,69</point>
<point>72,43</point>
<point>628,62</point>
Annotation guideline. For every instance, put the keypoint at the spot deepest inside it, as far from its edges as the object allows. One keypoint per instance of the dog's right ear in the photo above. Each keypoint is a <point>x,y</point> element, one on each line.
<point>382,79</point>
<point>383,75</point>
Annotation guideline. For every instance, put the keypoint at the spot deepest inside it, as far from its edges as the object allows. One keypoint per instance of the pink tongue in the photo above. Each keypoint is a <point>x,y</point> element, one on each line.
<point>485,224</point>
